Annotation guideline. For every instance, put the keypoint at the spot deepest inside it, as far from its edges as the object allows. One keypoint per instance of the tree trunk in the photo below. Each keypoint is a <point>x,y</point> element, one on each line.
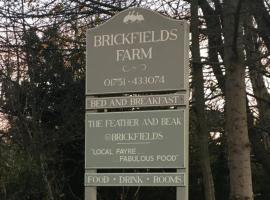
<point>45,178</point>
<point>215,42</point>
<point>199,106</point>
<point>235,96</point>
<point>262,17</point>
<point>259,135</point>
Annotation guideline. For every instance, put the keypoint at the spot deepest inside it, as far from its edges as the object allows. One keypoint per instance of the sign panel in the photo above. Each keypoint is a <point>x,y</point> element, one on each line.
<point>142,139</point>
<point>135,179</point>
<point>93,103</point>
<point>137,50</point>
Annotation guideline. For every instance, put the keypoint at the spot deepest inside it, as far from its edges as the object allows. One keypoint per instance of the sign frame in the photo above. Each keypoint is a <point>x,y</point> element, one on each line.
<point>176,99</point>
<point>137,74</point>
<point>180,153</point>
<point>145,179</point>
<point>137,16</point>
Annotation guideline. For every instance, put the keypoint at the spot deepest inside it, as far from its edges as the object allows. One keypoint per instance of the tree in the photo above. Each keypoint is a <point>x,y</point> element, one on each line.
<point>235,94</point>
<point>199,106</point>
<point>42,94</point>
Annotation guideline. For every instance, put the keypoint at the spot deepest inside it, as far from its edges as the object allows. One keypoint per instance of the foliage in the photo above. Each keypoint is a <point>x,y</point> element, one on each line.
<point>42,74</point>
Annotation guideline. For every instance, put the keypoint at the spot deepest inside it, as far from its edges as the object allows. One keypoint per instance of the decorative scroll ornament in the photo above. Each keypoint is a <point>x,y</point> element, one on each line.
<point>141,67</point>
<point>132,17</point>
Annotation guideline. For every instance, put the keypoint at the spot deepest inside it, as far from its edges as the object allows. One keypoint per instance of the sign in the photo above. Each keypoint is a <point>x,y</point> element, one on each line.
<point>93,103</point>
<point>135,179</point>
<point>142,139</point>
<point>129,60</point>
<point>136,51</point>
